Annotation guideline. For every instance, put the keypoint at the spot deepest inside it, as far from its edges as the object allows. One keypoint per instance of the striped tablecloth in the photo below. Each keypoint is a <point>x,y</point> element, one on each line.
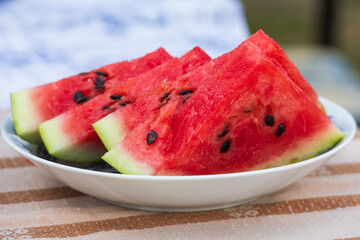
<point>323,205</point>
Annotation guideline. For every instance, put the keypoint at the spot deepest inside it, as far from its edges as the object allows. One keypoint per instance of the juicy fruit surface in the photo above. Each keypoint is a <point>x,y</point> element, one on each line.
<point>222,127</point>
<point>274,51</point>
<point>32,106</point>
<point>248,109</point>
<point>115,126</point>
<point>76,124</point>
<point>89,151</point>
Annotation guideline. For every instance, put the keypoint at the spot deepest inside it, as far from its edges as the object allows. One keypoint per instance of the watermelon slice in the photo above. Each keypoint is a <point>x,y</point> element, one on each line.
<point>32,106</point>
<point>113,128</point>
<point>273,50</point>
<point>249,115</point>
<point>70,136</point>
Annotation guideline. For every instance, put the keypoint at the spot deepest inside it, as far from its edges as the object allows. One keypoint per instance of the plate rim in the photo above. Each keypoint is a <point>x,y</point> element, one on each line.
<point>9,120</point>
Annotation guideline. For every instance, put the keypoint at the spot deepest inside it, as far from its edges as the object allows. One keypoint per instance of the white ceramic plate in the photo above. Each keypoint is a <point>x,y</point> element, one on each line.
<point>177,193</point>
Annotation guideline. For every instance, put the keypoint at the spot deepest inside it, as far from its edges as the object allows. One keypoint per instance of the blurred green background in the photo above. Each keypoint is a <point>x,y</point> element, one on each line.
<point>322,38</point>
<point>293,22</point>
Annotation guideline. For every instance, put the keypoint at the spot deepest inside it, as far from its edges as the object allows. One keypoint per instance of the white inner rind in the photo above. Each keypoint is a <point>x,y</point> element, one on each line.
<point>307,148</point>
<point>111,130</point>
<point>61,146</point>
<point>53,135</point>
<point>124,162</point>
<point>26,117</point>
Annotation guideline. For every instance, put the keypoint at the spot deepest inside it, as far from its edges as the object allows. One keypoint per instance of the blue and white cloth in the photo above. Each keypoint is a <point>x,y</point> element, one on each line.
<point>43,41</point>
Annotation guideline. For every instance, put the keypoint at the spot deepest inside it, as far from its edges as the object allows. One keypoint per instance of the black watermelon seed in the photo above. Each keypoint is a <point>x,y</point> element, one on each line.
<point>224,132</point>
<point>185,100</point>
<point>248,109</point>
<point>105,107</point>
<point>99,81</point>
<point>83,73</point>
<point>187,91</point>
<point>78,95</point>
<point>151,137</point>
<point>269,120</point>
<point>101,74</point>
<point>124,103</point>
<point>115,97</point>
<point>84,99</point>
<point>164,96</point>
<point>280,130</point>
<point>225,147</point>
<point>99,87</point>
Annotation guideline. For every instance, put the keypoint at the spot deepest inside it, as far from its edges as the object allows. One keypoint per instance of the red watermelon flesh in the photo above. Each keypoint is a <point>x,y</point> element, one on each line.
<point>224,127</point>
<point>32,106</point>
<point>273,50</point>
<point>69,135</point>
<point>115,126</point>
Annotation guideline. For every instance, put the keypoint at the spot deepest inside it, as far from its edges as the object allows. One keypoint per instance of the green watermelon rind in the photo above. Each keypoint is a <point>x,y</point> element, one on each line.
<point>325,142</point>
<point>25,116</point>
<point>122,161</point>
<point>125,163</point>
<point>57,144</point>
<point>111,130</point>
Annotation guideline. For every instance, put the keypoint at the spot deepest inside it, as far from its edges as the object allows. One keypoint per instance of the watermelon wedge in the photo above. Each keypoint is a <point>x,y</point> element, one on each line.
<point>113,128</point>
<point>248,115</point>
<point>32,106</point>
<point>70,135</point>
<point>273,50</point>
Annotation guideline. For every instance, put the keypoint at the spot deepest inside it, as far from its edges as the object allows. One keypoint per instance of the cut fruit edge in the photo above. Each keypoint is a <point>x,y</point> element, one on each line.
<point>59,147</point>
<point>113,135</point>
<point>110,130</point>
<point>27,128</point>
<point>122,161</point>
<point>327,140</point>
